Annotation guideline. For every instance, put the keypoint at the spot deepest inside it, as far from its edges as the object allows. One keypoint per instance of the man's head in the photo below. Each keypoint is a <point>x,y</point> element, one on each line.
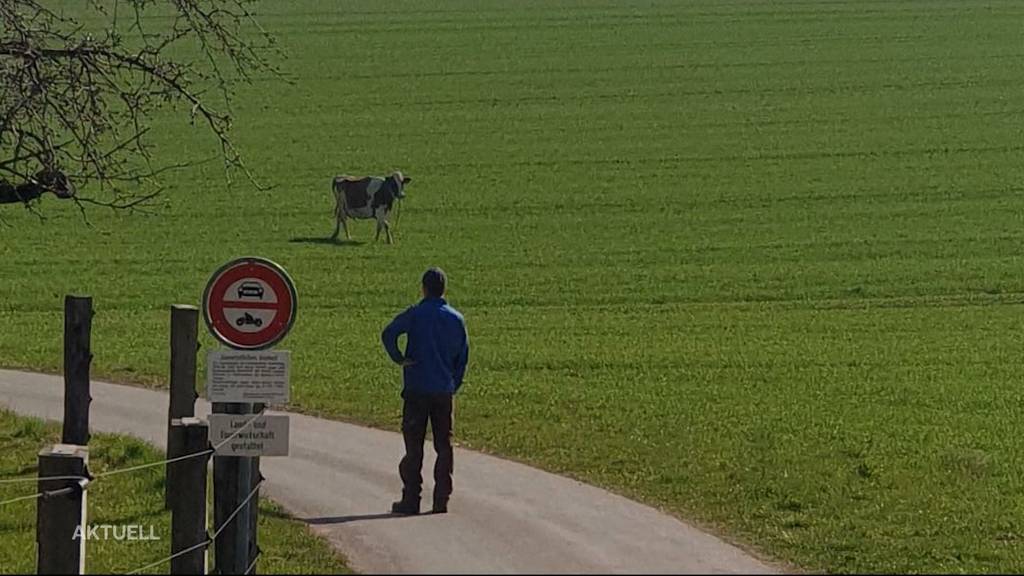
<point>434,283</point>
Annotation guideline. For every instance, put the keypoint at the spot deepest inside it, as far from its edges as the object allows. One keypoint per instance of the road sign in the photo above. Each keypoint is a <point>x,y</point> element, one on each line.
<point>266,436</point>
<point>249,303</point>
<point>248,376</point>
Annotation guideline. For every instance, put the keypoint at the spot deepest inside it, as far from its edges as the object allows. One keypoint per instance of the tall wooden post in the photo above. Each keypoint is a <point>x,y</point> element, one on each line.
<point>77,359</point>
<point>61,518</point>
<point>188,497</point>
<point>184,345</point>
<point>232,482</point>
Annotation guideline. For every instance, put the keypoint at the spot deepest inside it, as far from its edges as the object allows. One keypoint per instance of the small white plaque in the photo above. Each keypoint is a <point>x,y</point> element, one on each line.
<point>248,377</point>
<point>266,436</point>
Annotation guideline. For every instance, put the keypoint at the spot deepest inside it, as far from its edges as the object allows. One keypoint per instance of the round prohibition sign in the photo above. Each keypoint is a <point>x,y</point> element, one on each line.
<point>249,303</point>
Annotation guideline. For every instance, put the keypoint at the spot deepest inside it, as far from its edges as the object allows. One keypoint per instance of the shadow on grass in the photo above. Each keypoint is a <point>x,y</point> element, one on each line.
<point>328,241</point>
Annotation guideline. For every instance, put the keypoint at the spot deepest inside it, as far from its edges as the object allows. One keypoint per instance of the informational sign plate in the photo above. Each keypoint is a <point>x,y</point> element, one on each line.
<point>249,303</point>
<point>239,376</point>
<point>265,436</point>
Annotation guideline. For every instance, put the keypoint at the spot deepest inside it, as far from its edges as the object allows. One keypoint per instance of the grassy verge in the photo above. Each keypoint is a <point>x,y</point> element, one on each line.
<point>130,499</point>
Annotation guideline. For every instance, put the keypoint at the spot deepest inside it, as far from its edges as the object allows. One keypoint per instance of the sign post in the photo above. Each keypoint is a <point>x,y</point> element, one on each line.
<point>249,305</point>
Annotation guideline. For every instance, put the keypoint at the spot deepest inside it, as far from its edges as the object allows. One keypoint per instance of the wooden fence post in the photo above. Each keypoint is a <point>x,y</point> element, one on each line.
<point>187,496</point>
<point>60,516</point>
<point>77,358</point>
<point>184,345</point>
<point>232,482</point>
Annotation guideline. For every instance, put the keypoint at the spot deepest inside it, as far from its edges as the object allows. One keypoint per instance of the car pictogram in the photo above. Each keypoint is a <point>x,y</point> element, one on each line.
<point>250,290</point>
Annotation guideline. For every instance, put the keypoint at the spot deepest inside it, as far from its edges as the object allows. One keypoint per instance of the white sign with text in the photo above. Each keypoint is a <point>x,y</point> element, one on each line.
<point>248,377</point>
<point>265,436</point>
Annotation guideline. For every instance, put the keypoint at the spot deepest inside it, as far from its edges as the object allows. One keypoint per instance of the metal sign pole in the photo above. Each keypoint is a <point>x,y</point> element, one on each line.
<point>249,305</point>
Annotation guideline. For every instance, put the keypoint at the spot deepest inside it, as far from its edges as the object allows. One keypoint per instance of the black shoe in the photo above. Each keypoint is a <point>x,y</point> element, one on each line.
<point>405,507</point>
<point>440,507</point>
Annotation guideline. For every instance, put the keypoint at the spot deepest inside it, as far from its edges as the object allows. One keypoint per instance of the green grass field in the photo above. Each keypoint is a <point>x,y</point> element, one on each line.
<point>134,499</point>
<point>756,263</point>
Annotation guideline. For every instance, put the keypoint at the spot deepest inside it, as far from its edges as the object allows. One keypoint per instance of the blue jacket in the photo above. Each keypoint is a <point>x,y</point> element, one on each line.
<point>437,344</point>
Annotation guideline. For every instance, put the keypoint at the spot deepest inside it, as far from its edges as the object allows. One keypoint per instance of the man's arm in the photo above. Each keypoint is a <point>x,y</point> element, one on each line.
<point>461,359</point>
<point>389,337</point>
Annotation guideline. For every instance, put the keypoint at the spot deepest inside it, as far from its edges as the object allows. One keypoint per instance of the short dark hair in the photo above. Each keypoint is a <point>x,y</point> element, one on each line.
<point>434,282</point>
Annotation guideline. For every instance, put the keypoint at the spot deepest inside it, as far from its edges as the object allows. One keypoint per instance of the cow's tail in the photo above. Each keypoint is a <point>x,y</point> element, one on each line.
<point>339,195</point>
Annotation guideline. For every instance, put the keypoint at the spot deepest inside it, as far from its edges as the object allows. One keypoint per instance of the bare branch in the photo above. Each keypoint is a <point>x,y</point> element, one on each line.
<point>77,101</point>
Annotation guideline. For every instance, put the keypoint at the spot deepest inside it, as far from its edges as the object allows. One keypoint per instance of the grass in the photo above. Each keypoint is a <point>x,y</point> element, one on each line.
<point>756,263</point>
<point>134,499</point>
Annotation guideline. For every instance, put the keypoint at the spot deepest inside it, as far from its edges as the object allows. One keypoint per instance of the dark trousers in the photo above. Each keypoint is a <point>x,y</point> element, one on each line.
<point>416,410</point>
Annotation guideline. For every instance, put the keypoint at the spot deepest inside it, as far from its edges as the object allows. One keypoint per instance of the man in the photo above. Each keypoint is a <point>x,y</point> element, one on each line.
<point>434,363</point>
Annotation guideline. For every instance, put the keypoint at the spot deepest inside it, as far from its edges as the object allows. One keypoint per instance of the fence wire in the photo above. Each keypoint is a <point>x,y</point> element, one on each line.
<point>253,563</point>
<point>20,498</point>
<point>213,449</point>
<point>84,482</point>
<point>173,556</point>
<point>153,464</point>
<point>209,540</point>
<point>231,517</point>
<point>38,478</point>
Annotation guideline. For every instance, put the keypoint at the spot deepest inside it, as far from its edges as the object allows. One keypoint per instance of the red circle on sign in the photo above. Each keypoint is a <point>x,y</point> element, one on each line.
<point>249,304</point>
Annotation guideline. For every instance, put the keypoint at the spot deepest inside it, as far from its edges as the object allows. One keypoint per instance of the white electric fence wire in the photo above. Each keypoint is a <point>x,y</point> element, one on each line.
<point>84,480</point>
<point>209,540</point>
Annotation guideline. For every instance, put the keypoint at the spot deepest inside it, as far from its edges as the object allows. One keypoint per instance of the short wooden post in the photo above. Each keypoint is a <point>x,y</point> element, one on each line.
<point>77,359</point>
<point>184,345</point>
<point>232,482</point>
<point>187,496</point>
<point>60,514</point>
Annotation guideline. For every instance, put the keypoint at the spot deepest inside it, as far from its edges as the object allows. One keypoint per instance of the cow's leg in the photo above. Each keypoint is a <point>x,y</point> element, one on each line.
<point>387,229</point>
<point>380,224</point>
<point>344,224</point>
<point>339,215</point>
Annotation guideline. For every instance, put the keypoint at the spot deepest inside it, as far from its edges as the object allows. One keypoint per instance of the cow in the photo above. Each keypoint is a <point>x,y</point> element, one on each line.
<point>365,198</point>
<point>46,180</point>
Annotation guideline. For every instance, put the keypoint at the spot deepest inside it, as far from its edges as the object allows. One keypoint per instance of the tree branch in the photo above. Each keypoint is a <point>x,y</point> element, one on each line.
<point>96,93</point>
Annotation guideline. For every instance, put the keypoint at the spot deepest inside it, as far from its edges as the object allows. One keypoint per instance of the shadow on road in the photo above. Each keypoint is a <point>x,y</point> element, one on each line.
<point>331,241</point>
<point>353,518</point>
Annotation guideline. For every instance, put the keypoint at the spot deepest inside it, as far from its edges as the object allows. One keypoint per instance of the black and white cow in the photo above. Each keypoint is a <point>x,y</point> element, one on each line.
<point>365,198</point>
<point>46,180</point>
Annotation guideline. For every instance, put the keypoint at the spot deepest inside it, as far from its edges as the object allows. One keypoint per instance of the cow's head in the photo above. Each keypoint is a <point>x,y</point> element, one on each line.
<point>400,181</point>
